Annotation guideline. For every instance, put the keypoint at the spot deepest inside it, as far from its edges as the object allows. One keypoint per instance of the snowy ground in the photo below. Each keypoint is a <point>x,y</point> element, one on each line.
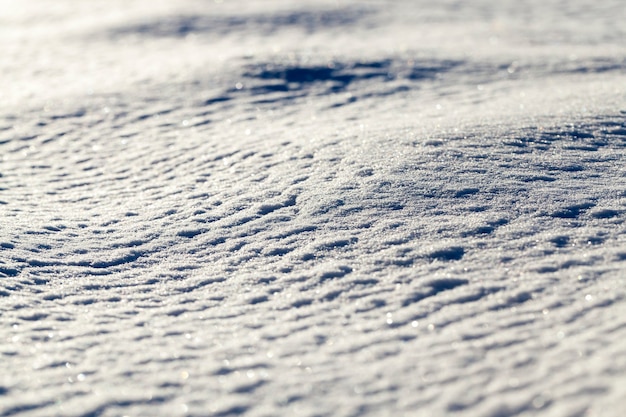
<point>312,208</point>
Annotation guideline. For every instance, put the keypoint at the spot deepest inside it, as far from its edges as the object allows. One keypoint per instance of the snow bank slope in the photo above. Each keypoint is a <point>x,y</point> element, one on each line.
<point>312,209</point>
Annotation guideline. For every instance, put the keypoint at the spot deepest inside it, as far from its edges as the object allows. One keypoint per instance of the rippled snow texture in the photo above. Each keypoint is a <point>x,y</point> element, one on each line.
<point>312,208</point>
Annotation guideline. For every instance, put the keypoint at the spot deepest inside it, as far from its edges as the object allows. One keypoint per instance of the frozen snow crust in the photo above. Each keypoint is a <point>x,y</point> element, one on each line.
<point>312,208</point>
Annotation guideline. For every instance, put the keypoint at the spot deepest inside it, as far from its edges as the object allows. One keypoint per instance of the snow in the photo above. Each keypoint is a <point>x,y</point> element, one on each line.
<point>315,208</point>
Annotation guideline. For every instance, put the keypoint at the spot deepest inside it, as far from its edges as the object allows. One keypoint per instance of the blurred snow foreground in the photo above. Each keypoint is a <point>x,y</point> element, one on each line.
<point>312,208</point>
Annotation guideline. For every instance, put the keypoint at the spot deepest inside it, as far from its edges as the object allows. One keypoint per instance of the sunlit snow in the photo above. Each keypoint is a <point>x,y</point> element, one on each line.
<point>312,208</point>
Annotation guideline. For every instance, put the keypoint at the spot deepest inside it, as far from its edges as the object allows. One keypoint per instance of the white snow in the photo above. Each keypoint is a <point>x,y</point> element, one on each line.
<point>312,208</point>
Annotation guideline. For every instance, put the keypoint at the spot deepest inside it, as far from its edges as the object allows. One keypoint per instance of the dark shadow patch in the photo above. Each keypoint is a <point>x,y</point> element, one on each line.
<point>216,100</point>
<point>477,295</point>
<point>279,251</point>
<point>76,114</point>
<point>269,208</point>
<point>431,69</point>
<point>266,280</point>
<point>445,284</point>
<point>34,316</point>
<point>453,253</point>
<point>560,241</point>
<point>217,241</point>
<point>283,78</point>
<point>125,259</point>
<point>569,168</point>
<point>433,288</point>
<point>595,240</point>
<point>189,233</point>
<point>371,305</point>
<point>546,269</point>
<point>181,26</point>
<point>8,272</point>
<point>519,298</point>
<point>336,244</point>
<point>233,411</point>
<point>465,192</point>
<point>365,282</point>
<point>536,178</point>
<point>596,66</point>
<point>335,77</point>
<point>481,230</point>
<point>84,301</point>
<point>573,211</point>
<point>295,232</point>
<point>340,272</point>
<point>302,303</point>
<point>302,74</point>
<point>258,300</point>
<point>248,388</point>
<point>331,295</point>
<point>26,408</point>
<point>176,312</point>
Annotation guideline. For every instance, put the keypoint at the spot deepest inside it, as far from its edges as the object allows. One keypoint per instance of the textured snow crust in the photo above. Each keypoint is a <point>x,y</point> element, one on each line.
<point>312,208</point>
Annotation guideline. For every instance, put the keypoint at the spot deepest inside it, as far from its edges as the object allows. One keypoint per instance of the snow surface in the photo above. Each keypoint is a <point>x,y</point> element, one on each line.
<point>312,208</point>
